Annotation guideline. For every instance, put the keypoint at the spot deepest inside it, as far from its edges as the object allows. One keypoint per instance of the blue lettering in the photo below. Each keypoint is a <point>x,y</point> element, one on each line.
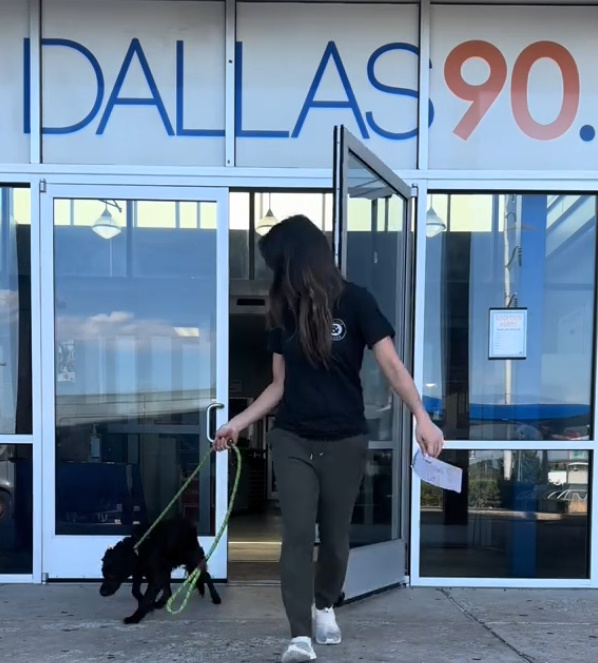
<point>389,89</point>
<point>331,53</point>
<point>27,86</point>
<point>180,99</point>
<point>430,108</point>
<point>97,70</point>
<point>239,131</point>
<point>154,100</point>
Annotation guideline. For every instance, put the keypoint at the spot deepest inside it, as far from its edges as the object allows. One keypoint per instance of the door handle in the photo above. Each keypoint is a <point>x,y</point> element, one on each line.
<point>210,408</point>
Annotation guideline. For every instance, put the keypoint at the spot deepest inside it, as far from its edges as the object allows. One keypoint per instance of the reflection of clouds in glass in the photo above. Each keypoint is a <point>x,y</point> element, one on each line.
<point>122,324</point>
<point>129,366</point>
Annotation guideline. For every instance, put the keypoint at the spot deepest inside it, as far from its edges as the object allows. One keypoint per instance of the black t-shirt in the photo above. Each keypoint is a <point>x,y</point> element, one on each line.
<point>326,403</point>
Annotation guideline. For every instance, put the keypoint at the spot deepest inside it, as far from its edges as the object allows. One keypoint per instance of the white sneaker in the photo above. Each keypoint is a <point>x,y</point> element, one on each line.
<point>326,630</point>
<point>299,650</point>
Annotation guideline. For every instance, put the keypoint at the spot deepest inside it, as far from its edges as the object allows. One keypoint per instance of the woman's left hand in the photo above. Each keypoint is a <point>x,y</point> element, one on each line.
<point>429,436</point>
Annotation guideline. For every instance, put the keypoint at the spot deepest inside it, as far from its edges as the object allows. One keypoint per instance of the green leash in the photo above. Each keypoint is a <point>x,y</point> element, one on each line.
<point>192,578</point>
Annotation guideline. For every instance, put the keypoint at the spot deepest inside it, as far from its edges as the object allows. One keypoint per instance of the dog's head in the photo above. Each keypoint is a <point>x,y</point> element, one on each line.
<point>118,564</point>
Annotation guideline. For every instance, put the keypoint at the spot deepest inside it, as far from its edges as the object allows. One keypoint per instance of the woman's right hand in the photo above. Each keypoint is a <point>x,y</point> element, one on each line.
<point>226,435</point>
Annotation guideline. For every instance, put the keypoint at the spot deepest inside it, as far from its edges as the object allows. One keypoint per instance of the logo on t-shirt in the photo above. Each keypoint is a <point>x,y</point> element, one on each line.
<point>339,330</point>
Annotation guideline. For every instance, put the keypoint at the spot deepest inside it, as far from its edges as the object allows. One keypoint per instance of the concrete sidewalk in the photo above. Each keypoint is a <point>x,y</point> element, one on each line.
<point>73,624</point>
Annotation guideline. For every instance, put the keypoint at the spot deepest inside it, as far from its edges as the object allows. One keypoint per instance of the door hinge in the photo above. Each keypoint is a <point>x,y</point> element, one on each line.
<point>414,190</point>
<point>43,186</point>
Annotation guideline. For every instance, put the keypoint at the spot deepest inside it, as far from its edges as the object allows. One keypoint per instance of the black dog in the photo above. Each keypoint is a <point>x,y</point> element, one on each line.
<point>171,544</point>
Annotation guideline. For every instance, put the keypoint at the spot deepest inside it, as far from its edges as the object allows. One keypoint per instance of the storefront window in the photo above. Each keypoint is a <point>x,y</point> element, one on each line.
<point>15,312</point>
<point>521,514</point>
<point>533,255</point>
<point>135,308</point>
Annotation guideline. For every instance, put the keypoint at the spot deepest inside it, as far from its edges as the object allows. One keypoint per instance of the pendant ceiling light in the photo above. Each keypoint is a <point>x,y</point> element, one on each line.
<point>268,221</point>
<point>106,227</point>
<point>434,224</point>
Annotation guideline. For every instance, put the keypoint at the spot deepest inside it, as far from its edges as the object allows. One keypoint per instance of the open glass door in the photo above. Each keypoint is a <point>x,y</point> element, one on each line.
<point>135,365</point>
<point>373,240</point>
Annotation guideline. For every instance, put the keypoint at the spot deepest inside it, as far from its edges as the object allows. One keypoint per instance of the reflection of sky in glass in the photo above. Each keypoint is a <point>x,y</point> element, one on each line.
<point>554,281</point>
<point>135,315</point>
<point>121,354</point>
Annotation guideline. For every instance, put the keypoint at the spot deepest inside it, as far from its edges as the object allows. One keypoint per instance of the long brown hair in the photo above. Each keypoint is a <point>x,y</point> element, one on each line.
<point>306,283</point>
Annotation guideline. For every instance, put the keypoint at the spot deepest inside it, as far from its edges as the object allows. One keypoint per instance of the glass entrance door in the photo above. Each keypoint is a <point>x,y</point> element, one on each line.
<point>135,358</point>
<point>373,243</point>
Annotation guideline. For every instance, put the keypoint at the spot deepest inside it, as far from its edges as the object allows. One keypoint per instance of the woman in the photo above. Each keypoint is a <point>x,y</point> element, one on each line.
<point>319,328</point>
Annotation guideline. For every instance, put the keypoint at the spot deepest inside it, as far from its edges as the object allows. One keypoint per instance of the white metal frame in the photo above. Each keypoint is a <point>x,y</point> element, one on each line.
<point>499,185</point>
<point>228,175</point>
<point>68,556</point>
<point>373,567</point>
<point>34,440</point>
<point>498,181</point>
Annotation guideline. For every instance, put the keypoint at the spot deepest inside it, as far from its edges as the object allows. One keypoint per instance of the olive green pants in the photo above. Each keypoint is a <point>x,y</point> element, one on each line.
<point>317,482</point>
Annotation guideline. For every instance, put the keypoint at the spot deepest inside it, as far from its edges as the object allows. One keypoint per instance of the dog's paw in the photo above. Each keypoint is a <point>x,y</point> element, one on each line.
<point>133,619</point>
<point>216,600</point>
<point>158,605</point>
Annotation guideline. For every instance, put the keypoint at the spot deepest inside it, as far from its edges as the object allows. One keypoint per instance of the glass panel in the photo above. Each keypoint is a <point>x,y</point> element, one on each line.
<point>16,509</point>
<point>375,243</point>
<point>375,248</point>
<point>135,309</point>
<point>521,514</point>
<point>15,312</point>
<point>316,206</point>
<point>372,517</point>
<point>492,251</point>
<point>239,235</point>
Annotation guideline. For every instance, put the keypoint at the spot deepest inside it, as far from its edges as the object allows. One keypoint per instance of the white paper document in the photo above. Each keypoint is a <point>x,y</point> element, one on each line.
<point>508,334</point>
<point>438,473</point>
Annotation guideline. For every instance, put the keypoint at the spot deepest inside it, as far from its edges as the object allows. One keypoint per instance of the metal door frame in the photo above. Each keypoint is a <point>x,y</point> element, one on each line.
<point>68,557</point>
<point>387,560</point>
<point>34,439</point>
